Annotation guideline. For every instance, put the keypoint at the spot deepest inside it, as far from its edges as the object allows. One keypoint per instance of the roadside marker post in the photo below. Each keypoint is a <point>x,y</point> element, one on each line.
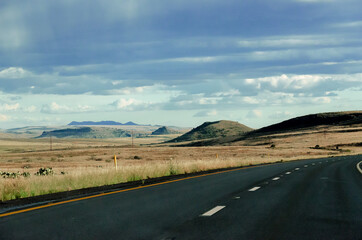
<point>115,161</point>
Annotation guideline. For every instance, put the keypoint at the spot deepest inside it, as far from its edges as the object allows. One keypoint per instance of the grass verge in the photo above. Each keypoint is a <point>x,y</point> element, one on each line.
<point>84,178</point>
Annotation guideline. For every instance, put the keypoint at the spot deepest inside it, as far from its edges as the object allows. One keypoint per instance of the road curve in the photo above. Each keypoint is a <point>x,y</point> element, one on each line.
<point>309,199</point>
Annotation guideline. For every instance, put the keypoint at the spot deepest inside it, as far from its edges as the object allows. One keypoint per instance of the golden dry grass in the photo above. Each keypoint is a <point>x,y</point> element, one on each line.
<point>89,163</point>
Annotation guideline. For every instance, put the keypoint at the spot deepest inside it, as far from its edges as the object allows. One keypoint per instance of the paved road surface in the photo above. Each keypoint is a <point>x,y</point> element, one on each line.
<point>310,199</point>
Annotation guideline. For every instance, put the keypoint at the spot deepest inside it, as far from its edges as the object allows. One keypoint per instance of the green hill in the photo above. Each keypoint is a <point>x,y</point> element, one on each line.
<point>216,129</point>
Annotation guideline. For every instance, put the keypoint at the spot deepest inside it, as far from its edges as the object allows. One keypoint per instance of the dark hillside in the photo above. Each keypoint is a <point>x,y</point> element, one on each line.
<point>314,120</point>
<point>297,125</point>
<point>208,130</point>
<point>164,131</point>
<point>86,132</point>
<point>102,123</point>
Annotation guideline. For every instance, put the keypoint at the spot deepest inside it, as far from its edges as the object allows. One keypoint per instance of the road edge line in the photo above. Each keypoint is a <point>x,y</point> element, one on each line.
<point>358,167</point>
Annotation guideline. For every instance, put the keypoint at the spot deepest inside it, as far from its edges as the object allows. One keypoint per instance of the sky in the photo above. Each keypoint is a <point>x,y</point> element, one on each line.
<point>177,62</point>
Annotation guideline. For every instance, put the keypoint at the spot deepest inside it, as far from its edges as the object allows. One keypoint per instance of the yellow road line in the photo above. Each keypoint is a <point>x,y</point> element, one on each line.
<point>113,192</point>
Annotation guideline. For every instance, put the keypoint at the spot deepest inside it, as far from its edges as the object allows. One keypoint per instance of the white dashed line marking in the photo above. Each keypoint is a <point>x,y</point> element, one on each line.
<point>212,211</point>
<point>236,197</point>
<point>305,165</point>
<point>297,169</point>
<point>253,189</point>
<point>313,163</point>
<point>326,161</point>
<point>276,178</point>
<point>320,162</point>
<point>288,173</point>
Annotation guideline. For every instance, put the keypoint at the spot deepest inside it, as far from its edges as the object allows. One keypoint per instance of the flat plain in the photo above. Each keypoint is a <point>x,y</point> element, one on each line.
<point>81,163</point>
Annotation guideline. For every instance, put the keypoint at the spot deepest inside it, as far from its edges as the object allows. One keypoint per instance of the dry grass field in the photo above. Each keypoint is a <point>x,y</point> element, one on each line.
<point>81,163</point>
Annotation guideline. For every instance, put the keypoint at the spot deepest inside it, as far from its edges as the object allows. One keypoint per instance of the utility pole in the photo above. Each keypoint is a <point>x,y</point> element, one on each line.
<point>132,138</point>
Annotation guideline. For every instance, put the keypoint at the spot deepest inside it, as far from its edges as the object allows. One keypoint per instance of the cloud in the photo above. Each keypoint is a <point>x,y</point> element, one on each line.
<point>55,108</point>
<point>231,92</point>
<point>353,24</point>
<point>128,90</point>
<point>322,100</point>
<point>125,103</point>
<point>291,41</point>
<point>9,107</point>
<point>181,55</point>
<point>13,73</point>
<point>303,83</point>
<point>287,82</point>
<point>281,115</point>
<point>3,118</point>
<point>206,113</point>
<point>208,101</point>
<point>30,109</point>
<point>255,113</point>
<point>251,100</point>
<point>132,104</point>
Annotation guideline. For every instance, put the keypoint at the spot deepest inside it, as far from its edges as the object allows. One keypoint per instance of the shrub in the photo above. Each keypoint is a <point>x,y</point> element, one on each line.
<point>44,172</point>
<point>9,174</point>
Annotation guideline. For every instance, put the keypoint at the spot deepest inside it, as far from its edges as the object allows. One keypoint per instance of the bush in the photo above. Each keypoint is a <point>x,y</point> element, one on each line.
<point>9,174</point>
<point>44,172</point>
<point>137,157</point>
<point>317,146</point>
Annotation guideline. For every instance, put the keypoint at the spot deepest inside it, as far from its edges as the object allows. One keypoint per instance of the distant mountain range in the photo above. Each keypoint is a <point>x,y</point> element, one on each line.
<point>103,123</point>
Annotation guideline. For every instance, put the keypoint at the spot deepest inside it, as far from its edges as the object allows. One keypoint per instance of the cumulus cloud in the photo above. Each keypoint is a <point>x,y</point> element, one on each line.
<point>251,100</point>
<point>206,113</point>
<point>13,73</point>
<point>125,103</point>
<point>231,92</point>
<point>322,100</point>
<point>132,104</point>
<point>255,113</point>
<point>9,107</point>
<point>128,90</point>
<point>285,82</point>
<point>30,109</point>
<point>55,108</point>
<point>3,118</point>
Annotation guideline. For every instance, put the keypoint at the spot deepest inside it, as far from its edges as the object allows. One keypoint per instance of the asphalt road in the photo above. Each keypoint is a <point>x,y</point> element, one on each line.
<point>309,199</point>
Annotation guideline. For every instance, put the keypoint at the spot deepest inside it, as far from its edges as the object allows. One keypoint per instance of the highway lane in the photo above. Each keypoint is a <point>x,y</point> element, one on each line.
<point>309,199</point>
